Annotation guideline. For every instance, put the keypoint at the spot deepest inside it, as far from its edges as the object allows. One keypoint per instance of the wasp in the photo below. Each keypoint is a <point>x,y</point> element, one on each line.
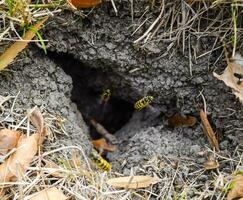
<point>144,102</point>
<point>105,96</point>
<point>99,161</point>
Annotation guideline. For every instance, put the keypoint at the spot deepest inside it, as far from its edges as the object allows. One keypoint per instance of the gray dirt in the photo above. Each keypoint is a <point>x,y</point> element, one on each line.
<point>103,41</point>
<point>40,82</point>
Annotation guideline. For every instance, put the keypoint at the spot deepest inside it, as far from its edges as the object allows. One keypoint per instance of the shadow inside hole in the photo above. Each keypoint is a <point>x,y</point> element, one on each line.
<point>88,85</point>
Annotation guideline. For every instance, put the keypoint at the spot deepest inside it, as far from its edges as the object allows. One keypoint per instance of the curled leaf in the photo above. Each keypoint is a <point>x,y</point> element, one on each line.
<point>37,119</point>
<point>178,120</point>
<point>133,182</point>
<point>237,188</point>
<point>49,194</point>
<point>8,140</point>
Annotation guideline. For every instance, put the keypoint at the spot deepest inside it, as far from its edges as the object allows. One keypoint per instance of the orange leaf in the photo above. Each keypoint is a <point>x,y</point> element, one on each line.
<point>49,194</point>
<point>178,120</point>
<point>85,3</point>
<point>101,144</point>
<point>8,140</point>
<point>209,131</point>
<point>237,190</point>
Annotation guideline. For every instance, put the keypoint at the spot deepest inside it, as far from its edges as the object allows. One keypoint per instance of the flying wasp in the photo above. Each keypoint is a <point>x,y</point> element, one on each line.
<point>144,102</point>
<point>105,96</point>
<point>99,161</point>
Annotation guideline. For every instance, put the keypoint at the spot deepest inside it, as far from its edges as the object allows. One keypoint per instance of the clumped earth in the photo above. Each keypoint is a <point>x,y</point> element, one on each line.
<point>98,53</point>
<point>103,42</point>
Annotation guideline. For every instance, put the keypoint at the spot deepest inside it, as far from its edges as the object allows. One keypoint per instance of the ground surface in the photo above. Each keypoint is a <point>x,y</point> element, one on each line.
<point>102,45</point>
<point>103,42</point>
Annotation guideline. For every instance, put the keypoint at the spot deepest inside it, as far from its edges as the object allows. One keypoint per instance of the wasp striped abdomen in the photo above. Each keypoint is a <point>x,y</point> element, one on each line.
<point>142,103</point>
<point>105,96</point>
<point>100,162</point>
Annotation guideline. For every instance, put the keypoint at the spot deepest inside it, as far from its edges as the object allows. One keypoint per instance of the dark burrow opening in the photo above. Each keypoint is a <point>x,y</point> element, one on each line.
<point>88,86</point>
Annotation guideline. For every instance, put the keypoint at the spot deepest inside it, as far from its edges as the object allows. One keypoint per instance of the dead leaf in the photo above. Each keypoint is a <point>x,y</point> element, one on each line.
<point>101,145</point>
<point>133,182</point>
<point>8,140</point>
<point>85,3</point>
<point>18,162</point>
<point>37,119</point>
<point>49,194</point>
<point>209,131</point>
<point>178,120</point>
<point>237,188</point>
<point>233,77</point>
<point>211,163</point>
<point>8,56</point>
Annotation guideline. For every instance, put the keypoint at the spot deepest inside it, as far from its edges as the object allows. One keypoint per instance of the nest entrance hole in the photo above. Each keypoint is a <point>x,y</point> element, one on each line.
<point>88,85</point>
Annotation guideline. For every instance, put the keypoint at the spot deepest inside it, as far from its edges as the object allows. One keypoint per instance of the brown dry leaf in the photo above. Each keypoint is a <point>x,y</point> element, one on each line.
<point>133,182</point>
<point>101,145</point>
<point>37,119</point>
<point>8,56</point>
<point>8,140</point>
<point>85,3</point>
<point>49,194</point>
<point>209,131</point>
<point>232,76</point>
<point>18,162</point>
<point>237,190</point>
<point>211,163</point>
<point>178,120</point>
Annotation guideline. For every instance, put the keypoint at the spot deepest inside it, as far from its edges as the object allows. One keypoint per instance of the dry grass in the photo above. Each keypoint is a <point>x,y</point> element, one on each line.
<point>191,24</point>
<point>18,16</point>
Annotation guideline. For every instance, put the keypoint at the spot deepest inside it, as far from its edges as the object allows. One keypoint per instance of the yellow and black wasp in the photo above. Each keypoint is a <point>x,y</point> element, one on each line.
<point>144,102</point>
<point>99,161</point>
<point>105,96</point>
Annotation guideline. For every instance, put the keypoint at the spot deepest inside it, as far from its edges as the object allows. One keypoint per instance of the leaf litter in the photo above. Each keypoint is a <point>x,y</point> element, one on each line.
<point>20,160</point>
<point>233,76</point>
<point>237,188</point>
